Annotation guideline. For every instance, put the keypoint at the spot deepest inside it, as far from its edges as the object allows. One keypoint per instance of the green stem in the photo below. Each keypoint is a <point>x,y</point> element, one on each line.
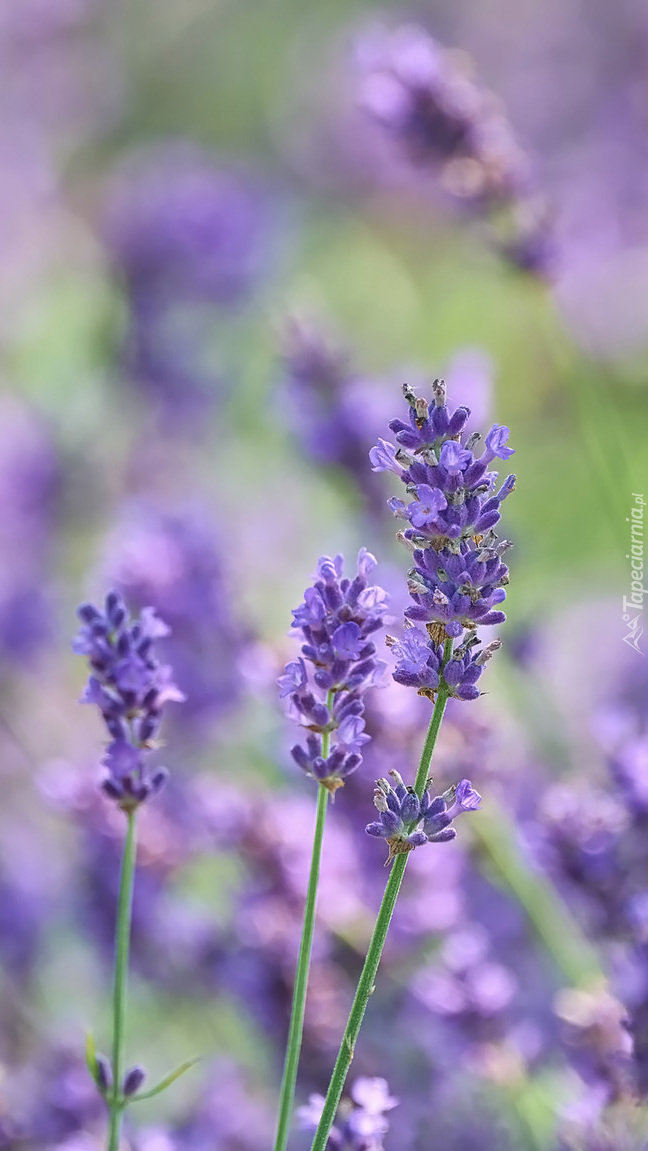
<point>122,943</point>
<point>433,731</point>
<point>296,1028</point>
<point>370,968</point>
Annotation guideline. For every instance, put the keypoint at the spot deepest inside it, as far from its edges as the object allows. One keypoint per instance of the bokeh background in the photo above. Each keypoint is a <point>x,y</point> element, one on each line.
<point>216,272</point>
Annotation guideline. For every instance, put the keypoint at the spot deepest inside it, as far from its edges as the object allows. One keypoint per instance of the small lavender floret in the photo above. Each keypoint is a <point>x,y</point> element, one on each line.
<point>338,663</point>
<point>462,797</point>
<point>104,1078</point>
<point>133,1080</point>
<point>131,688</point>
<point>406,822</point>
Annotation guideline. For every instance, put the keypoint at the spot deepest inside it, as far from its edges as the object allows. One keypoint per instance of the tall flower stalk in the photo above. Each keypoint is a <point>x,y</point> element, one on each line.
<point>130,687</point>
<point>122,947</point>
<point>456,584</point>
<point>296,1027</point>
<point>324,688</point>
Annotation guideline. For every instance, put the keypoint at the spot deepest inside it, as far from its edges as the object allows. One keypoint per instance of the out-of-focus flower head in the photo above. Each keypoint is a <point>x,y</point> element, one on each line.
<point>181,227</point>
<point>227,1115</point>
<point>186,238</point>
<point>172,558</point>
<point>51,1100</point>
<point>336,620</point>
<point>334,411</point>
<point>468,987</point>
<point>440,119</point>
<point>29,484</point>
<point>361,1123</point>
<point>131,688</point>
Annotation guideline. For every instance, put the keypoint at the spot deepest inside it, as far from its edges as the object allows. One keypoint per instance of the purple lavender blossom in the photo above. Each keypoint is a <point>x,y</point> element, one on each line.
<point>407,822</point>
<point>420,664</point>
<point>336,620</point>
<point>361,1123</point>
<point>130,687</point>
<point>459,577</point>
<point>454,493</point>
<point>53,1105</point>
<point>594,843</point>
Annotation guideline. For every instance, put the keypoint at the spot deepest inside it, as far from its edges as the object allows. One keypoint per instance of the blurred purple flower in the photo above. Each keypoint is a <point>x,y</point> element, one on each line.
<point>178,226</point>
<point>361,1123</point>
<point>331,408</point>
<point>186,237</point>
<point>226,1115</point>
<point>172,558</point>
<point>52,1099</point>
<point>30,481</point>
<point>436,118</point>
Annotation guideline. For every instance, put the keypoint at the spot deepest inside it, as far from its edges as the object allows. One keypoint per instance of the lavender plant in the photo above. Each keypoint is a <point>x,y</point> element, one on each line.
<point>325,686</point>
<point>131,689</point>
<point>456,584</point>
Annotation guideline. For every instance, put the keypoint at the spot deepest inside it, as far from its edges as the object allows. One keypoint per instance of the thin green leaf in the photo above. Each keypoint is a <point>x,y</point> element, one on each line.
<point>167,1081</point>
<point>91,1056</point>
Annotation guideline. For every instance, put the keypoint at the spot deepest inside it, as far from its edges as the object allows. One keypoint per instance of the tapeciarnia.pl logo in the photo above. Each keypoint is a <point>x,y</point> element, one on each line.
<point>634,603</point>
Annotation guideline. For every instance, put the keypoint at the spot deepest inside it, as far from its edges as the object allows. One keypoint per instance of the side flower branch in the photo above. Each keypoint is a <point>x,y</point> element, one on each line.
<point>131,688</point>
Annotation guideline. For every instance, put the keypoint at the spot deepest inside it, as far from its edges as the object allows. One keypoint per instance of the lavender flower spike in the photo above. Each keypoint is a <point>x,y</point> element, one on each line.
<point>337,665</point>
<point>459,578</point>
<point>130,687</point>
<point>407,822</point>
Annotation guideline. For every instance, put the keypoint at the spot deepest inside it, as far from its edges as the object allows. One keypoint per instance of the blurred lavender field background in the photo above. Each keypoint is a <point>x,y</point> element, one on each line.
<point>223,253</point>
